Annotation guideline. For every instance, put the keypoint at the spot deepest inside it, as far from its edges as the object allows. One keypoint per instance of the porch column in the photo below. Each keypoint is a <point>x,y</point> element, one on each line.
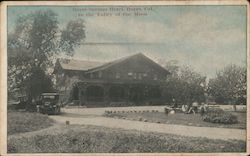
<point>82,94</point>
<point>126,92</point>
<point>106,98</point>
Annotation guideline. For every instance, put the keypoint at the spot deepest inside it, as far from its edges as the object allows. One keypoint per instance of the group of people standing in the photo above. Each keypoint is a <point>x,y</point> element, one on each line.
<point>194,107</point>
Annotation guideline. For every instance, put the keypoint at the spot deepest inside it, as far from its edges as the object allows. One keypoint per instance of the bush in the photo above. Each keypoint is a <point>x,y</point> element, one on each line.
<point>219,116</point>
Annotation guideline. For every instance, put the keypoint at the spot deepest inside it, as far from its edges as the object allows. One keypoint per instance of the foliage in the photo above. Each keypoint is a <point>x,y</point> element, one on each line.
<point>219,116</point>
<point>179,119</point>
<point>35,42</point>
<point>20,122</point>
<point>229,85</point>
<point>39,82</point>
<point>72,36</point>
<point>93,139</point>
<point>184,84</point>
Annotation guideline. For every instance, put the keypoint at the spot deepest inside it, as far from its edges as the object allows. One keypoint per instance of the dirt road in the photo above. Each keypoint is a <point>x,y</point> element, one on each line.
<point>92,116</point>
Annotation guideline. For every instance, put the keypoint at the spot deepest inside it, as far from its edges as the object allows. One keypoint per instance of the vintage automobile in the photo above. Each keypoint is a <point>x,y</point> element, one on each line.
<point>49,104</point>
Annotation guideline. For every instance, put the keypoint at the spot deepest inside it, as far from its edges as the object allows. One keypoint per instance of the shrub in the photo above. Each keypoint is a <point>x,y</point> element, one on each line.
<point>219,116</point>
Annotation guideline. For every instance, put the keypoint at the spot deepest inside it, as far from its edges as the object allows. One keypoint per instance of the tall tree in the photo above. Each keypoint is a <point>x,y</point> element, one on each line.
<point>35,41</point>
<point>229,85</point>
<point>184,84</point>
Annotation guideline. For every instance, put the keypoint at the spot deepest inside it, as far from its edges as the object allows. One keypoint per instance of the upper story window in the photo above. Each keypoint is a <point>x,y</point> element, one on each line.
<point>130,74</point>
<point>117,75</point>
<point>135,76</point>
<point>100,74</point>
<point>91,75</point>
<point>83,75</point>
<point>145,74</point>
<point>139,76</point>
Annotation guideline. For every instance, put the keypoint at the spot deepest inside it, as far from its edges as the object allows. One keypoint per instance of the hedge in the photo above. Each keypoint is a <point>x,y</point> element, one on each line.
<point>219,116</point>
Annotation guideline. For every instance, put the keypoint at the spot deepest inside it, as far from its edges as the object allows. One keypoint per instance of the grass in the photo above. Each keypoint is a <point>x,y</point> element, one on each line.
<point>20,122</point>
<point>93,139</point>
<point>181,119</point>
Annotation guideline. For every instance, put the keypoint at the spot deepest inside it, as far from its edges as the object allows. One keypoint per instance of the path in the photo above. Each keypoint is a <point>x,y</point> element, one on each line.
<point>94,118</point>
<point>100,111</point>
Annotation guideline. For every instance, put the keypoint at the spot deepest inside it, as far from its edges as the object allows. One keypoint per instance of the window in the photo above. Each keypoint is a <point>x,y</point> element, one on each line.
<point>130,74</point>
<point>117,75</point>
<point>140,76</point>
<point>135,76</point>
<point>145,74</point>
<point>91,75</point>
<point>100,74</point>
<point>82,75</point>
<point>82,92</point>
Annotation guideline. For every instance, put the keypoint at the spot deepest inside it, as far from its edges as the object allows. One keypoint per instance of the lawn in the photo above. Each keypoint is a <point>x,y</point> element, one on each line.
<point>180,118</point>
<point>93,139</point>
<point>20,122</point>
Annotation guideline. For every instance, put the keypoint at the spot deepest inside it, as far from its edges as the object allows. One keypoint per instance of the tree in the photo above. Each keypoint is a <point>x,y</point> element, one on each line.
<point>184,84</point>
<point>33,45</point>
<point>38,81</point>
<point>229,85</point>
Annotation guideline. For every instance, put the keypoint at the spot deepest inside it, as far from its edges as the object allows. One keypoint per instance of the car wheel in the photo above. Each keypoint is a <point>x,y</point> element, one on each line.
<point>56,111</point>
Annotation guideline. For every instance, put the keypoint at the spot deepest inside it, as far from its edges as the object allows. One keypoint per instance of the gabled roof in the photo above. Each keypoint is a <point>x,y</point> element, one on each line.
<point>83,65</point>
<point>93,66</point>
<point>109,64</point>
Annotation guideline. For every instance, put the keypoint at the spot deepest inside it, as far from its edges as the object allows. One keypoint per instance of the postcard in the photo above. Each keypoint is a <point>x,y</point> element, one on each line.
<point>124,78</point>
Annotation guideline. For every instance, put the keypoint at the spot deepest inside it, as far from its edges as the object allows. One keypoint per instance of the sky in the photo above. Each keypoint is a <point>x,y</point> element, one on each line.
<point>207,38</point>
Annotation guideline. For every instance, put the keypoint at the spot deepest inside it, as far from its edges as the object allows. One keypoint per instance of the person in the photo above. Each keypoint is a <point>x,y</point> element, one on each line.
<point>234,107</point>
<point>184,108</point>
<point>203,108</point>
<point>174,104</point>
<point>193,108</point>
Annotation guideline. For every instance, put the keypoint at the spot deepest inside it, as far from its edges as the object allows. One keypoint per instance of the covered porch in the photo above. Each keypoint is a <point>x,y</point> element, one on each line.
<point>103,93</point>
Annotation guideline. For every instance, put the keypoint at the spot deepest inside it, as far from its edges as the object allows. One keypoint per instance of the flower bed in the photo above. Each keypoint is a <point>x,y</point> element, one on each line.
<point>178,118</point>
<point>219,116</point>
